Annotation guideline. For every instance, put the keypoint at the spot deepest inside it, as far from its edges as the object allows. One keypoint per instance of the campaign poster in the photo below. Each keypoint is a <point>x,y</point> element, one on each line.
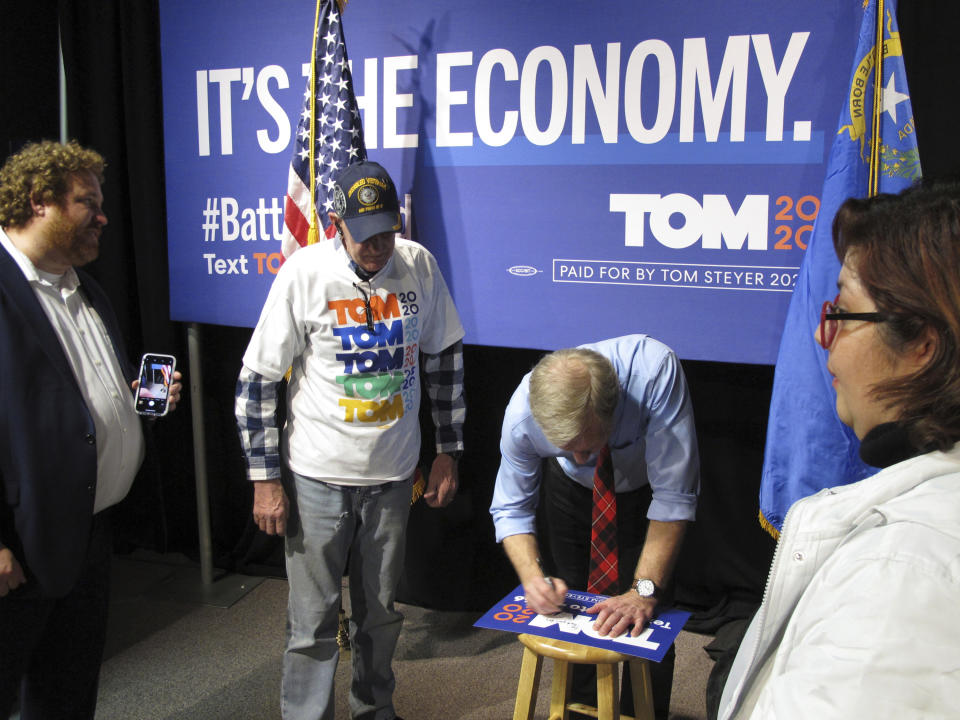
<point>580,170</point>
<point>573,624</point>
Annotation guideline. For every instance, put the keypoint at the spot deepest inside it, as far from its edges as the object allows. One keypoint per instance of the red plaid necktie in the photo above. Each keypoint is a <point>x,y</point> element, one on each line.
<point>604,576</point>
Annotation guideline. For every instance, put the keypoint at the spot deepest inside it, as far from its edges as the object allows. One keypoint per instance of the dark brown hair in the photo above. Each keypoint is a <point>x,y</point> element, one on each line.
<point>907,255</point>
<point>41,172</point>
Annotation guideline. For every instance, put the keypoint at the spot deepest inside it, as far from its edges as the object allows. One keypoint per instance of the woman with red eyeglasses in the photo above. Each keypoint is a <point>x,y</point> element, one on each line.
<point>859,618</point>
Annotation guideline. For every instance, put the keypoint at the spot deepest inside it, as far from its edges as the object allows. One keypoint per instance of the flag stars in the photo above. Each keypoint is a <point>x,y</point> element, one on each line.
<point>892,98</point>
<point>323,147</point>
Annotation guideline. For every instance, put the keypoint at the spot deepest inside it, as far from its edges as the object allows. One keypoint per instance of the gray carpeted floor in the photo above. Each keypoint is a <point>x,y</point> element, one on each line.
<point>174,660</point>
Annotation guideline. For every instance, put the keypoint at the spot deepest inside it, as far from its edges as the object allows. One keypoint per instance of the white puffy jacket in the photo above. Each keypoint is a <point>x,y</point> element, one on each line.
<point>861,614</point>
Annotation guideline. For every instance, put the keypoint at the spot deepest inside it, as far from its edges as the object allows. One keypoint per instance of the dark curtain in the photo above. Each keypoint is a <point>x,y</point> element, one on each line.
<point>112,66</point>
<point>112,60</point>
<point>28,74</point>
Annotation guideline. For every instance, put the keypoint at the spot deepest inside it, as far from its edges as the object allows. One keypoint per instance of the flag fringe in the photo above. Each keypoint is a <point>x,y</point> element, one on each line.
<point>768,526</point>
<point>419,486</point>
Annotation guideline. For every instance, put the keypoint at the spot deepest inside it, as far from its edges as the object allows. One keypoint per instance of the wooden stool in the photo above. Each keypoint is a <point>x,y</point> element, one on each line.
<point>565,655</point>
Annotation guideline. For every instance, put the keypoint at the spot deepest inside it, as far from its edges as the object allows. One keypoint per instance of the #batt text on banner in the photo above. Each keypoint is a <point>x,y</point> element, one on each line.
<point>808,448</point>
<point>654,168</point>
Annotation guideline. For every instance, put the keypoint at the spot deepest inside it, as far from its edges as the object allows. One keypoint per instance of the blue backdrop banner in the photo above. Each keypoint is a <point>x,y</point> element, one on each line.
<point>580,170</point>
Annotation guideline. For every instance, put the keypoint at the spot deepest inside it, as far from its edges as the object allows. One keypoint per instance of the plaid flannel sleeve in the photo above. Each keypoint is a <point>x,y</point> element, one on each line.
<point>256,411</point>
<point>443,380</point>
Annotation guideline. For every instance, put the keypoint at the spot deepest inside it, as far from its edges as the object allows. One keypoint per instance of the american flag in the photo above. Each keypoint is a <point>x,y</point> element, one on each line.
<point>331,116</point>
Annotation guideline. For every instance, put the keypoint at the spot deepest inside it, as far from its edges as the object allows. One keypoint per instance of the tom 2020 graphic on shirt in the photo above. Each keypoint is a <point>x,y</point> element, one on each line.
<point>380,367</point>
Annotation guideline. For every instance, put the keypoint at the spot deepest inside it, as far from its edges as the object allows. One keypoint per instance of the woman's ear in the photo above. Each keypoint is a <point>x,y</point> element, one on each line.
<point>922,351</point>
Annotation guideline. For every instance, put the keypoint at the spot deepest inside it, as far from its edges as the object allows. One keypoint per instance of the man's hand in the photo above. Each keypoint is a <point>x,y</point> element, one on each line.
<point>616,614</point>
<point>270,507</point>
<point>545,595</point>
<point>443,481</point>
<point>173,397</point>
<point>11,574</point>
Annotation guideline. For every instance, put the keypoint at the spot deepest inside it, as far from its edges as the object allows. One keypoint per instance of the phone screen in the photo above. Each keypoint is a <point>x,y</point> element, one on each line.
<point>156,376</point>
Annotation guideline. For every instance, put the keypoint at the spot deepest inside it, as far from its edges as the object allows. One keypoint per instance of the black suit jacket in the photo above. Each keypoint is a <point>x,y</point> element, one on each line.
<point>48,452</point>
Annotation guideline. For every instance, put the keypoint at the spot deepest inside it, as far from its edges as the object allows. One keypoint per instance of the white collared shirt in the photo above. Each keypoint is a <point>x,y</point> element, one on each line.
<point>89,350</point>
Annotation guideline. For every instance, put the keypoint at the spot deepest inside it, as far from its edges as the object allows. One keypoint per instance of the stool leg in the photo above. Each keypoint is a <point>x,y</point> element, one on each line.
<point>642,690</point>
<point>529,682</point>
<point>608,691</point>
<point>560,688</point>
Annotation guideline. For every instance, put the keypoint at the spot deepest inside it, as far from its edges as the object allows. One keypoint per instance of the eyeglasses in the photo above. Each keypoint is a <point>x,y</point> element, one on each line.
<point>830,317</point>
<point>368,313</point>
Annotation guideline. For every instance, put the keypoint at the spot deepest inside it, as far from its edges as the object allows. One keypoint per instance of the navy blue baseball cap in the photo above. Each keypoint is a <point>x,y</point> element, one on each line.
<point>366,198</point>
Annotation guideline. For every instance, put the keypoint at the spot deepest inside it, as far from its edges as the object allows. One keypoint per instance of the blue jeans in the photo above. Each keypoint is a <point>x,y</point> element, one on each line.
<point>328,525</point>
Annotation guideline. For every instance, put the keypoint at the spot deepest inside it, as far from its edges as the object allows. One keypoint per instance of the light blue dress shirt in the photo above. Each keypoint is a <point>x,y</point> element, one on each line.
<point>653,440</point>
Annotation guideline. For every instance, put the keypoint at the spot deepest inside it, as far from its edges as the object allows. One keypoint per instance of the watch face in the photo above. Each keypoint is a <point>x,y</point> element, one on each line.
<point>646,588</point>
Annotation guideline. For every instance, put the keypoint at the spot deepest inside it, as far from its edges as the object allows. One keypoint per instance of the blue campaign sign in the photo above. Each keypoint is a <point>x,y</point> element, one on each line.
<point>574,625</point>
<point>580,170</point>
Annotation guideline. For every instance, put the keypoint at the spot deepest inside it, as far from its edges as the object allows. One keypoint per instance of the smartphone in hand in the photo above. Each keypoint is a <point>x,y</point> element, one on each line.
<point>156,376</point>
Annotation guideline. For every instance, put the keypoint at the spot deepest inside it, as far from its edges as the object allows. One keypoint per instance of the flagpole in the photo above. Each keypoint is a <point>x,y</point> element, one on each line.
<point>873,179</point>
<point>186,583</point>
<point>313,234</point>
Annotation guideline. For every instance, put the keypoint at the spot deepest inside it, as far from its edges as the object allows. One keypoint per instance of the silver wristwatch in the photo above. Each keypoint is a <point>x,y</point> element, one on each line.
<point>646,588</point>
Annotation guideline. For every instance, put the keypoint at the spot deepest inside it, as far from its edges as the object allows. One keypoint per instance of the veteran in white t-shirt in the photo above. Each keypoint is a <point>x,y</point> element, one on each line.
<point>352,319</point>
